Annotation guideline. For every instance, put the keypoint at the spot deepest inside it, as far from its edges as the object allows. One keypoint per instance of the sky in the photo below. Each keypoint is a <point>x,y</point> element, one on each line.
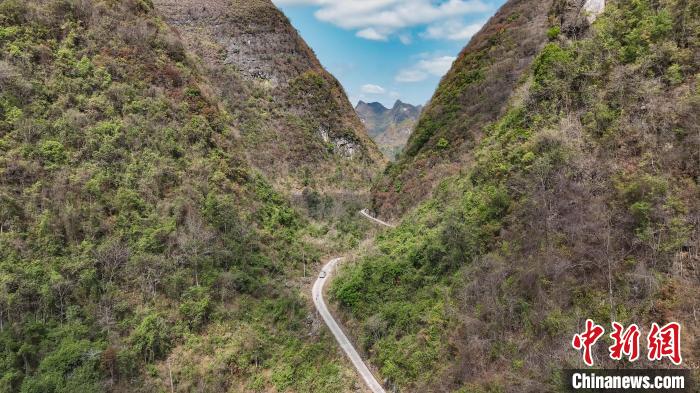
<point>384,50</point>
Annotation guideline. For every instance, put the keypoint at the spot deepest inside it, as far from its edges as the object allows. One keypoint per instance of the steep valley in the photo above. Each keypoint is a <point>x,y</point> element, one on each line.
<point>176,175</point>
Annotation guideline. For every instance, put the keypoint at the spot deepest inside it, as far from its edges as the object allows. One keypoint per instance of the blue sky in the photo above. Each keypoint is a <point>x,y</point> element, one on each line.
<point>384,50</point>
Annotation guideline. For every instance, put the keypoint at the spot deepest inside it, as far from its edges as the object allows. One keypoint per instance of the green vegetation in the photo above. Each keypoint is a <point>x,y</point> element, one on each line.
<point>138,250</point>
<point>472,95</point>
<point>553,32</point>
<point>447,99</point>
<point>580,202</point>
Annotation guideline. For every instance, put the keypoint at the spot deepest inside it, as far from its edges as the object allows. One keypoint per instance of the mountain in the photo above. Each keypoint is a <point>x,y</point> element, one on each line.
<point>142,246</point>
<point>293,116</point>
<point>390,128</point>
<point>474,93</point>
<point>150,152</point>
<point>560,161</point>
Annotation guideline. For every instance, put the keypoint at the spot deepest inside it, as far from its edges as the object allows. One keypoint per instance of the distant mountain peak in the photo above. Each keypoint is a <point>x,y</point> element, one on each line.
<point>376,107</point>
<point>390,128</point>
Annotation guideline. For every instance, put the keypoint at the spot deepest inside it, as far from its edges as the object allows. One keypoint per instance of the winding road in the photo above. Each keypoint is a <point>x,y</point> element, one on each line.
<point>365,213</point>
<point>345,344</point>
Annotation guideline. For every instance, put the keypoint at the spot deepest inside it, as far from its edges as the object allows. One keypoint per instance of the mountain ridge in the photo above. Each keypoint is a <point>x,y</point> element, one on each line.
<point>473,93</point>
<point>148,241</point>
<point>260,65</point>
<point>389,127</point>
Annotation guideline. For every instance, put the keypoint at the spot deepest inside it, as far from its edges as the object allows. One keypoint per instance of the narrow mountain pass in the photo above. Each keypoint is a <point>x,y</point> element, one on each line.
<point>320,304</point>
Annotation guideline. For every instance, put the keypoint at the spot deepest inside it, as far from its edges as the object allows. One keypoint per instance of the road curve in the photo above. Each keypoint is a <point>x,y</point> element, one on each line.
<point>366,214</point>
<point>345,344</point>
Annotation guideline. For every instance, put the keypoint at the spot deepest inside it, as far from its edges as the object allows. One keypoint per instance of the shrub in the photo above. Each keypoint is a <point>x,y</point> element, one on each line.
<point>674,75</point>
<point>601,119</point>
<point>551,70</point>
<point>151,338</point>
<point>553,32</point>
<point>13,114</point>
<point>52,154</point>
<point>195,307</point>
<point>71,367</point>
<point>13,12</point>
<point>83,67</point>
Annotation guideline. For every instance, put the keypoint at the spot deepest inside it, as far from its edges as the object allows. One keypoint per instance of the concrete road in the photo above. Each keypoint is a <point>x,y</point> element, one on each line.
<point>365,213</point>
<point>345,344</point>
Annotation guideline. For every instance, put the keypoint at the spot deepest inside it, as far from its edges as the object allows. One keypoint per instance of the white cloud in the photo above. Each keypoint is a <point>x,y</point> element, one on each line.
<point>406,38</point>
<point>371,33</point>
<point>410,75</point>
<point>299,2</point>
<point>372,89</point>
<point>435,66</point>
<point>378,19</point>
<point>452,30</point>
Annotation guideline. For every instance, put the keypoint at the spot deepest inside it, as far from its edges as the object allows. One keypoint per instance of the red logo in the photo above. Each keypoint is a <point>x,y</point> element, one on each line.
<point>587,339</point>
<point>662,342</point>
<point>665,342</point>
<point>626,342</point>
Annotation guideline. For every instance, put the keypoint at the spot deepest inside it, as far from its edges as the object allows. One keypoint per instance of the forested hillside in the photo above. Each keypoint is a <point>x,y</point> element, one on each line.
<point>139,250</point>
<point>472,94</point>
<point>295,120</point>
<point>577,199</point>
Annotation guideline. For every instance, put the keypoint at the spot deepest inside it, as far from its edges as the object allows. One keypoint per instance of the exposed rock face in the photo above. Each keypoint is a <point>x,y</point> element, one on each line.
<point>593,9</point>
<point>341,146</point>
<point>577,15</point>
<point>251,35</point>
<point>277,90</point>
<point>390,128</point>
